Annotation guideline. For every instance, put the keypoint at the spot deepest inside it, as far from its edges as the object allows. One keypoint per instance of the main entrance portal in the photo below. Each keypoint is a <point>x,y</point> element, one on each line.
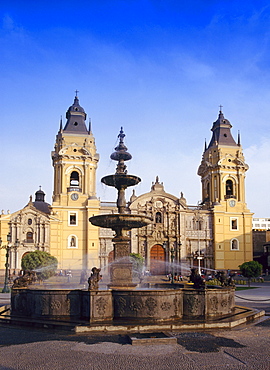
<point>157,260</point>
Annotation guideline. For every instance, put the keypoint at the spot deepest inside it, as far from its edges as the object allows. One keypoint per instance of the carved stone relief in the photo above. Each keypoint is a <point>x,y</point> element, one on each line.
<point>55,305</point>
<point>214,303</point>
<point>136,305</point>
<point>101,304</point>
<point>121,304</point>
<point>151,305</point>
<point>165,306</point>
<point>193,304</point>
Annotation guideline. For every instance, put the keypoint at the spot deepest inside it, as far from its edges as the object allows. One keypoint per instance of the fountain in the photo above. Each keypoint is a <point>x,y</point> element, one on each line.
<point>123,306</point>
<point>121,223</point>
<point>159,304</point>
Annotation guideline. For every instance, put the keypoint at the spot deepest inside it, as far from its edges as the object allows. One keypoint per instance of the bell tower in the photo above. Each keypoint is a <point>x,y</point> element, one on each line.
<point>73,239</point>
<point>223,170</point>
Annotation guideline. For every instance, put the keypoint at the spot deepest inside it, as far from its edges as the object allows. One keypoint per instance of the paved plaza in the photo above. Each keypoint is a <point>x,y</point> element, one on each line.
<point>247,347</point>
<point>244,347</point>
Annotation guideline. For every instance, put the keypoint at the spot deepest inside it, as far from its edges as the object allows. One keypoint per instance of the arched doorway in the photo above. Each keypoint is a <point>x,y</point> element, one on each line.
<point>111,257</point>
<point>25,254</point>
<point>157,260</point>
<point>20,262</point>
<point>110,261</point>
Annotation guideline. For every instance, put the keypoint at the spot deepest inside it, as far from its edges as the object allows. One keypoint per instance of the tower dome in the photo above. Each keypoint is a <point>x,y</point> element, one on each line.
<point>40,203</point>
<point>76,117</point>
<point>75,107</point>
<point>222,132</point>
<point>39,195</point>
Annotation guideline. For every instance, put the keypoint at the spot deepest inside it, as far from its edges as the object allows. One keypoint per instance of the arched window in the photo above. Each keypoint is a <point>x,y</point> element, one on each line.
<point>229,188</point>
<point>158,218</point>
<point>29,237</point>
<point>208,191</point>
<point>197,223</point>
<point>234,245</point>
<point>234,223</point>
<point>74,178</point>
<point>72,241</point>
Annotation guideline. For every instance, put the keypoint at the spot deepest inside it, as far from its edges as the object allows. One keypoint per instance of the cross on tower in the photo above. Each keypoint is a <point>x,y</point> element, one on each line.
<point>76,92</point>
<point>220,108</point>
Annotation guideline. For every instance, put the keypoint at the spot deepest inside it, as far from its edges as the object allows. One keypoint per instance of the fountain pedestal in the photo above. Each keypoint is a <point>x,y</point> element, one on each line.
<point>121,223</point>
<point>121,275</point>
<point>121,269</point>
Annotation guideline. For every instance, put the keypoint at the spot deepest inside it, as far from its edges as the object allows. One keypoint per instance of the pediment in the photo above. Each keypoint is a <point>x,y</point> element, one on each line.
<point>227,158</point>
<point>73,148</point>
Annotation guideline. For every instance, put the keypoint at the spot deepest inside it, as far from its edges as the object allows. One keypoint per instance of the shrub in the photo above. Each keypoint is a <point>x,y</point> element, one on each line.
<point>213,282</point>
<point>43,263</point>
<point>251,269</point>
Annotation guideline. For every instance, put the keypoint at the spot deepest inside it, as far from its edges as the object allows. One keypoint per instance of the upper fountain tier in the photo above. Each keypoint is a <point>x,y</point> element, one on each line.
<point>121,180</point>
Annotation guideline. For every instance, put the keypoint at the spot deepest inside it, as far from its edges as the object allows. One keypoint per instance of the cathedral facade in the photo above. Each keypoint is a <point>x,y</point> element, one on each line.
<point>214,234</point>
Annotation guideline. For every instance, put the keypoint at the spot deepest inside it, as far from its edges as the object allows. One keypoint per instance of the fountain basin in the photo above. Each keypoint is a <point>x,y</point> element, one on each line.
<point>75,305</point>
<point>119,221</point>
<point>208,302</point>
<point>120,180</point>
<point>148,305</point>
<point>142,306</point>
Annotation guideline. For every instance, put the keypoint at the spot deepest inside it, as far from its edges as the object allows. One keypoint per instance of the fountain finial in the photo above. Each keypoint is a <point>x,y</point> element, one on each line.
<point>121,155</point>
<point>121,135</point>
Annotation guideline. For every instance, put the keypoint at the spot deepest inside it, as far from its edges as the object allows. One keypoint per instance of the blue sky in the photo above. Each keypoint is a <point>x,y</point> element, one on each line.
<point>160,69</point>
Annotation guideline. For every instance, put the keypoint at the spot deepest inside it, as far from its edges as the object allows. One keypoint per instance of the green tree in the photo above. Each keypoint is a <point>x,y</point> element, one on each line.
<point>43,263</point>
<point>137,265</point>
<point>251,269</point>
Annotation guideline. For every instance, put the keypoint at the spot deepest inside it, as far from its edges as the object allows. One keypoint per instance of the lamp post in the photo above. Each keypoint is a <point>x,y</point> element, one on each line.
<point>15,247</point>
<point>198,222</point>
<point>167,258</point>
<point>172,261</point>
<point>199,258</point>
<point>179,268</point>
<point>7,248</point>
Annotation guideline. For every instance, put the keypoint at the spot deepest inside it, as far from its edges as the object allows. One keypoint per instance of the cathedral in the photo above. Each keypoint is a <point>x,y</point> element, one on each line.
<point>214,234</point>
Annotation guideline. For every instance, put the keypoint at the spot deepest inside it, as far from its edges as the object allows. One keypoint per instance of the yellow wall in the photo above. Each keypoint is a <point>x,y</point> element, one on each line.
<point>225,257</point>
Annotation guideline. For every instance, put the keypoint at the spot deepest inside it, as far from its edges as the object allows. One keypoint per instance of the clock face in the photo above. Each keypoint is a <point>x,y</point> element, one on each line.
<point>232,203</point>
<point>74,196</point>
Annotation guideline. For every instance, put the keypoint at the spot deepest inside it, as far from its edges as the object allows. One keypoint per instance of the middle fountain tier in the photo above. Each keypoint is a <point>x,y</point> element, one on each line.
<point>123,221</point>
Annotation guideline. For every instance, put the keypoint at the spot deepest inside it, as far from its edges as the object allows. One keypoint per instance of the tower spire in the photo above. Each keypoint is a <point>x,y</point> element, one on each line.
<point>61,124</point>
<point>90,126</point>
<point>76,117</point>
<point>222,132</point>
